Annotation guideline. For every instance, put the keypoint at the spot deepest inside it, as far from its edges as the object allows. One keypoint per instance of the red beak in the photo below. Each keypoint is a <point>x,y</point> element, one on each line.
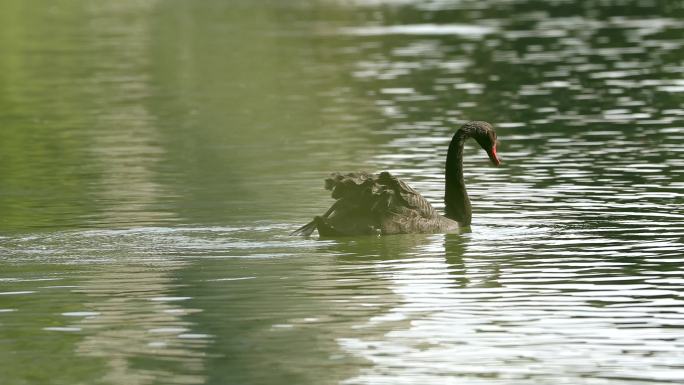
<point>493,157</point>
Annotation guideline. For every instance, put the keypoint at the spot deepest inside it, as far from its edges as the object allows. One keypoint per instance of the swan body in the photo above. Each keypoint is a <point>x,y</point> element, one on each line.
<point>383,204</point>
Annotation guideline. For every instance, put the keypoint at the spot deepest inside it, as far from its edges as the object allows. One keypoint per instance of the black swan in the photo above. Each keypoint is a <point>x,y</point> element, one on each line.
<point>372,204</point>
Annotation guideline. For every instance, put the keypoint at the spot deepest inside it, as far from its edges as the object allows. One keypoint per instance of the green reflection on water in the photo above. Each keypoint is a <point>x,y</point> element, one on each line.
<point>147,113</point>
<point>134,114</point>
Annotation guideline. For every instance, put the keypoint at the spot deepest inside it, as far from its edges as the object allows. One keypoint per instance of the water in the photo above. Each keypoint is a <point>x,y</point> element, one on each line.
<point>155,155</point>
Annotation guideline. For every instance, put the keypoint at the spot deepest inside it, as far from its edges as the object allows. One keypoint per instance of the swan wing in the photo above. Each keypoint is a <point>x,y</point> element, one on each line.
<point>411,198</point>
<point>381,194</point>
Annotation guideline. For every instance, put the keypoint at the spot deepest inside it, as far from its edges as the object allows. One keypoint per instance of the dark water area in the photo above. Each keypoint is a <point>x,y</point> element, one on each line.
<point>155,155</point>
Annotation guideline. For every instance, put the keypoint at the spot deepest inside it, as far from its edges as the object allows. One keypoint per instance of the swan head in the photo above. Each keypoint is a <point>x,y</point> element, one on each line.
<point>485,135</point>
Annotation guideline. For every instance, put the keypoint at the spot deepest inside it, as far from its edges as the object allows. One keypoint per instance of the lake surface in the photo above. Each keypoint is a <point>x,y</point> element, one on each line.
<point>155,155</point>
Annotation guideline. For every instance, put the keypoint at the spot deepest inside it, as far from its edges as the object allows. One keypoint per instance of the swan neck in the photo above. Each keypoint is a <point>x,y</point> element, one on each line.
<point>456,201</point>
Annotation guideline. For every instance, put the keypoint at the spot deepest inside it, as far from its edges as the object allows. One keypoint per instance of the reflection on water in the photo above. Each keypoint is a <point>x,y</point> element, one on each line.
<point>483,317</point>
<point>155,155</point>
<point>127,189</point>
<point>131,314</point>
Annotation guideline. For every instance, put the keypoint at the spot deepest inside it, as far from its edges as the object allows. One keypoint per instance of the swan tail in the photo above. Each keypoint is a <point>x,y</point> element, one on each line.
<point>306,230</point>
